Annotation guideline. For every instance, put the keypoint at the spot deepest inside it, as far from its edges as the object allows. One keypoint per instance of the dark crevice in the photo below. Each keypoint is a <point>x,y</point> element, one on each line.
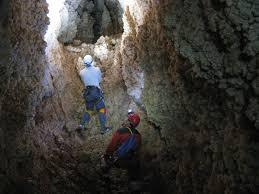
<point>97,27</point>
<point>214,36</point>
<point>114,11</point>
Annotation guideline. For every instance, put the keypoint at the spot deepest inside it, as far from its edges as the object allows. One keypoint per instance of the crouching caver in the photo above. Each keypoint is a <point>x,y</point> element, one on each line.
<point>122,151</point>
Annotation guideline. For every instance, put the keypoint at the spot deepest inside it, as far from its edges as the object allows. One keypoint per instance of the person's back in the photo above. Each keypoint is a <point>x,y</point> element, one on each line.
<point>91,76</point>
<point>121,136</point>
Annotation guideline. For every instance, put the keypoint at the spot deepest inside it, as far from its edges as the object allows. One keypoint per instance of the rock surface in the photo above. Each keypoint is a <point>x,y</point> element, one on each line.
<point>202,58</point>
<point>87,20</point>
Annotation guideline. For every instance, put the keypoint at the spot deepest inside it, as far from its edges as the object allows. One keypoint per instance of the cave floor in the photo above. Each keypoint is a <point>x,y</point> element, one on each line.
<point>79,169</point>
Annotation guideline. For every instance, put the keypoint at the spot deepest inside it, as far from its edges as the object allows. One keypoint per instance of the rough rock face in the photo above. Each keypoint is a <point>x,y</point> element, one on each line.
<point>202,58</point>
<point>222,50</point>
<point>87,20</point>
<point>20,87</point>
<point>5,73</point>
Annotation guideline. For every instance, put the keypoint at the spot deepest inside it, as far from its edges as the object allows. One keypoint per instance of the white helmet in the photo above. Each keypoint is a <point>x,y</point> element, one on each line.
<point>130,111</point>
<point>88,60</point>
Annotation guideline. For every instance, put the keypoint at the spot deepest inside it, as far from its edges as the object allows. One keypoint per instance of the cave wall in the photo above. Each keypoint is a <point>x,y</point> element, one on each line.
<point>35,158</point>
<point>21,74</point>
<point>5,73</point>
<point>221,48</point>
<point>202,58</point>
<point>87,20</point>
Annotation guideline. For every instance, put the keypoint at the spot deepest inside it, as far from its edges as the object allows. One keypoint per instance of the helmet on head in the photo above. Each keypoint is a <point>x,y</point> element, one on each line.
<point>134,119</point>
<point>130,111</point>
<point>88,60</point>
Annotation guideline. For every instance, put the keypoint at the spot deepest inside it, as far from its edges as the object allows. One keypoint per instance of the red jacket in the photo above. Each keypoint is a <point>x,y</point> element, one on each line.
<point>119,137</point>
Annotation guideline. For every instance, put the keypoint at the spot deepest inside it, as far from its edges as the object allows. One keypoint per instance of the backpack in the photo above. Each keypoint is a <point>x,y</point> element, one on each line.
<point>127,147</point>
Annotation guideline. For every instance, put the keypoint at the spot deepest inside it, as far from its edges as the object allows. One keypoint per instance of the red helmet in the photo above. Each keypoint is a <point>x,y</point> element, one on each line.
<point>134,119</point>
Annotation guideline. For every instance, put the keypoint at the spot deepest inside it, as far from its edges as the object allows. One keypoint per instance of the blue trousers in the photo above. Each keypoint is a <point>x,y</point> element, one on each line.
<point>94,102</point>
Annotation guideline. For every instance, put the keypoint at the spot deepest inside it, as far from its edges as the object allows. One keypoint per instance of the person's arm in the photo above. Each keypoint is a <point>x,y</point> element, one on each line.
<point>99,75</point>
<point>80,75</point>
<point>111,148</point>
<point>82,80</point>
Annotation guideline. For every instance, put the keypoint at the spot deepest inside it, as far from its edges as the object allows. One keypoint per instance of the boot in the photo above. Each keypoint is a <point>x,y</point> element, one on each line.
<point>105,130</point>
<point>80,129</point>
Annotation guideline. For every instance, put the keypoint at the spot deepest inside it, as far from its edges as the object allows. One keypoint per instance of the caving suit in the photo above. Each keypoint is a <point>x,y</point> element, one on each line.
<point>131,161</point>
<point>91,77</point>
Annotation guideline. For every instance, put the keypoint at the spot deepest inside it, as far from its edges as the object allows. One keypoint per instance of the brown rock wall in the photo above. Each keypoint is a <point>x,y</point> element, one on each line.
<point>198,56</point>
<point>25,26</point>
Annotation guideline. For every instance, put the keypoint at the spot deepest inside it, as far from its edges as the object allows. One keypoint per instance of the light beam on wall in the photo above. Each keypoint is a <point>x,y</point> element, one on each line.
<point>55,7</point>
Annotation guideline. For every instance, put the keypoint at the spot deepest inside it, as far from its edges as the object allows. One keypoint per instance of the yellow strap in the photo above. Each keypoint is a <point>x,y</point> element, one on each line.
<point>129,130</point>
<point>102,110</point>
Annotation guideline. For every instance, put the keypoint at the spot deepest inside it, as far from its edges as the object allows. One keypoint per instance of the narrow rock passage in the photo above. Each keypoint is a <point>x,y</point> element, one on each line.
<point>92,145</point>
<point>80,162</point>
